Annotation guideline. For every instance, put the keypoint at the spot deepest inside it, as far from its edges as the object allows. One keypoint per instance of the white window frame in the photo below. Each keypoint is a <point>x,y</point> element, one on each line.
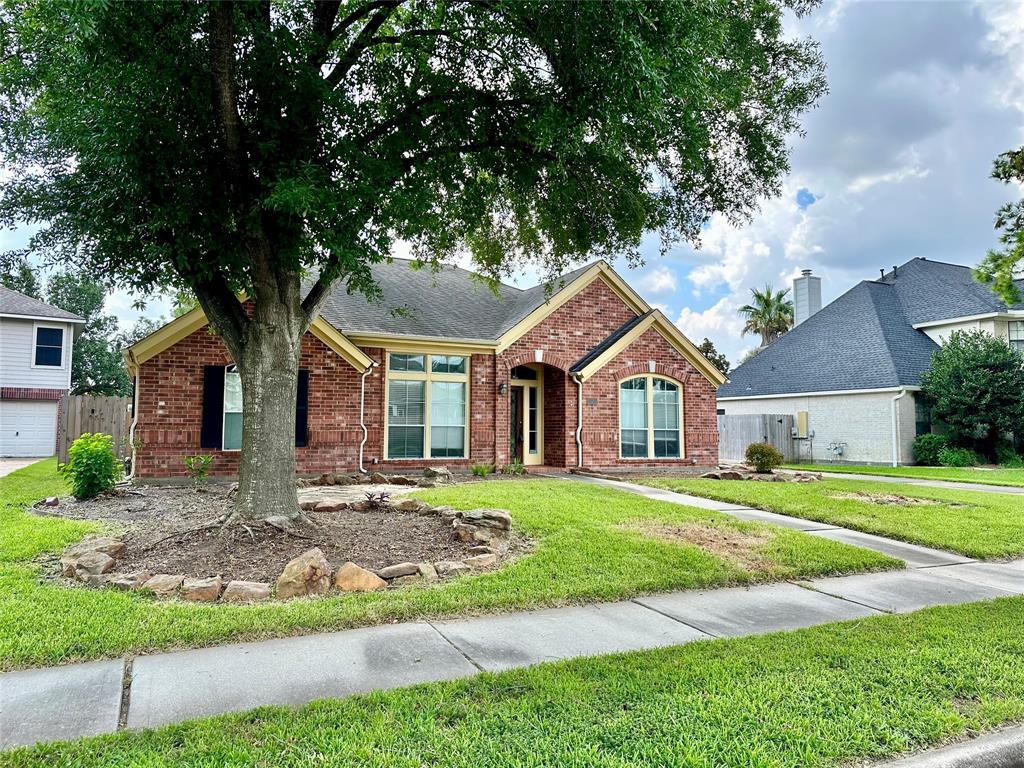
<point>224,406</point>
<point>1017,344</point>
<point>650,379</point>
<point>63,345</point>
<point>426,376</point>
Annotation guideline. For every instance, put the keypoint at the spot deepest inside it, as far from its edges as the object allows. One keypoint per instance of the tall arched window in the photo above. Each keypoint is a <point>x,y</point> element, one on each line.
<point>650,415</point>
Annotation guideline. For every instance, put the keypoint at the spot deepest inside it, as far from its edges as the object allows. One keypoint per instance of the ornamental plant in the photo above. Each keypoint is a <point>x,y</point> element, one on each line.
<point>92,466</point>
<point>764,457</point>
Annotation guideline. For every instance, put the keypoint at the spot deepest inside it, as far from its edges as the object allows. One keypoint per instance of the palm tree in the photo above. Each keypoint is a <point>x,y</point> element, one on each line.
<point>770,314</point>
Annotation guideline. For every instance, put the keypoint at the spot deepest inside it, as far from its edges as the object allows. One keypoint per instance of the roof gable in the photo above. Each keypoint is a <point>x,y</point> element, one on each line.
<point>14,304</point>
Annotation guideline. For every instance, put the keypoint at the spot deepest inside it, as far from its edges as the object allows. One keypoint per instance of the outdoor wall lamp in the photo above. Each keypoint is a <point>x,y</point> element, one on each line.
<point>502,388</point>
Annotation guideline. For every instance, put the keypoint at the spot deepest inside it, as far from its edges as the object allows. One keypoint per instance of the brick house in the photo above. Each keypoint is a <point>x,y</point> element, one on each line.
<point>443,370</point>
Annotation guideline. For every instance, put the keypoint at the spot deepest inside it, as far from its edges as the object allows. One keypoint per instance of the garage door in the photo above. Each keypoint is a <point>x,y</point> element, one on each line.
<point>27,428</point>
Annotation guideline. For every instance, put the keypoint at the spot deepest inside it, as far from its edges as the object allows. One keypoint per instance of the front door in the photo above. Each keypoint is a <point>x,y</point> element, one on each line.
<point>526,414</point>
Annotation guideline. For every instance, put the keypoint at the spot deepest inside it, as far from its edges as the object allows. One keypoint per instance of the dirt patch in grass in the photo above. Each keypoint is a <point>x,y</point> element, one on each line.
<point>163,530</point>
<point>740,547</point>
<point>895,499</point>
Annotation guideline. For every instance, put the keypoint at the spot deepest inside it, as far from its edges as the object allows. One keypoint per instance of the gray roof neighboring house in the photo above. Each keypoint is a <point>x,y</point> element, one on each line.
<point>451,303</point>
<point>14,304</point>
<point>865,339</point>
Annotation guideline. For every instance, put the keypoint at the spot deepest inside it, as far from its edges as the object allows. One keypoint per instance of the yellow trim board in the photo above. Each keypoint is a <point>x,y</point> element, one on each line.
<point>673,335</point>
<point>181,327</point>
<point>424,344</point>
<point>600,270</point>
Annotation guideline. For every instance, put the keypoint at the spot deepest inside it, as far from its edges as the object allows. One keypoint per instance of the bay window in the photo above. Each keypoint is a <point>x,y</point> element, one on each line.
<point>427,406</point>
<point>649,418</point>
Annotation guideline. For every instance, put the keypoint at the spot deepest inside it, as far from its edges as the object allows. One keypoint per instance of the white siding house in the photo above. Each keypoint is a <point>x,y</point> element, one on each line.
<point>854,367</point>
<point>36,341</point>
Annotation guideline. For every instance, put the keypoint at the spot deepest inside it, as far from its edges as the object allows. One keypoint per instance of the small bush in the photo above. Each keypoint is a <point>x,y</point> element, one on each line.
<point>92,467</point>
<point>198,468</point>
<point>515,468</point>
<point>482,470</point>
<point>764,457</point>
<point>927,447</point>
<point>1007,456</point>
<point>952,456</point>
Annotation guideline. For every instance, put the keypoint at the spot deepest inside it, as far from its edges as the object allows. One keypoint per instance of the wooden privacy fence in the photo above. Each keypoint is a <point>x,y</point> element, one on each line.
<point>79,414</point>
<point>735,433</point>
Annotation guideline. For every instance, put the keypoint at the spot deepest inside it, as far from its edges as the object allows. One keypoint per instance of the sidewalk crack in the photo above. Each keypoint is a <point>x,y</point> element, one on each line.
<point>462,653</point>
<point>126,694</point>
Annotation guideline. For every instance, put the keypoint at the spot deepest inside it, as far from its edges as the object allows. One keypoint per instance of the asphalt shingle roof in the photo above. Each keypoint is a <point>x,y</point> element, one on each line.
<point>450,303</point>
<point>865,339</point>
<point>14,303</point>
<point>613,337</point>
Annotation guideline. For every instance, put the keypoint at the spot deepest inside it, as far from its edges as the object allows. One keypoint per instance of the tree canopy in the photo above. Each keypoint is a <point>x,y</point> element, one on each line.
<point>1002,267</point>
<point>716,358</point>
<point>19,276</point>
<point>770,314</point>
<point>974,387</point>
<point>227,147</point>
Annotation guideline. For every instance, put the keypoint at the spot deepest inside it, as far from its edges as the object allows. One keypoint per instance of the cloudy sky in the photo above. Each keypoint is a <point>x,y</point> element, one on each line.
<point>895,164</point>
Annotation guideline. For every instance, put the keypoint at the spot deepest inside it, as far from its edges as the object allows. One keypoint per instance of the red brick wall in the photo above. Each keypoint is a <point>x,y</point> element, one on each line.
<point>170,409</point>
<point>170,397</point>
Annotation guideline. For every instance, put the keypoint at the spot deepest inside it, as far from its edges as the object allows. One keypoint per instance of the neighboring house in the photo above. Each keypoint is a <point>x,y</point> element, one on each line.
<point>35,372</point>
<point>445,371</point>
<point>849,372</point>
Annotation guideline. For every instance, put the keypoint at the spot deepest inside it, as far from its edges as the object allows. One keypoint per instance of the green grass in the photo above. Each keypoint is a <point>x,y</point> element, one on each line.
<point>584,552</point>
<point>1011,477</point>
<point>816,698</point>
<point>973,523</point>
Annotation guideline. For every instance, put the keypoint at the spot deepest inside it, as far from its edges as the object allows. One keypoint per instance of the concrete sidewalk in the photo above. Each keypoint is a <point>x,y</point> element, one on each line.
<point>146,691</point>
<point>952,484</point>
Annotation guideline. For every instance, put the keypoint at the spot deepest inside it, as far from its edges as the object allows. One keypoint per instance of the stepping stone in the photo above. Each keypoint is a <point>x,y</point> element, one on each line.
<point>905,591</point>
<point>741,611</point>
<point>913,555</point>
<point>59,703</point>
<point>1008,576</point>
<point>290,671</point>
<point>524,639</point>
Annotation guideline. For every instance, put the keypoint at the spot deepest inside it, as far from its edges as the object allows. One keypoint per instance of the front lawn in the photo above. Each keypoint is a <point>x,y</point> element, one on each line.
<point>973,523</point>
<point>816,698</point>
<point>592,544</point>
<point>1011,477</point>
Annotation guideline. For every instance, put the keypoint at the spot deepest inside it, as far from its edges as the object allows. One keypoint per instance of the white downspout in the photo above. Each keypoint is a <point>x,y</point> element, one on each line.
<point>579,422</point>
<point>362,421</point>
<point>896,428</point>
<point>135,419</point>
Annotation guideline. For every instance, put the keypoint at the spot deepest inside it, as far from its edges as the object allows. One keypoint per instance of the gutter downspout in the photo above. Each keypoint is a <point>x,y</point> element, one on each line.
<point>135,413</point>
<point>362,421</point>
<point>896,428</point>
<point>579,422</point>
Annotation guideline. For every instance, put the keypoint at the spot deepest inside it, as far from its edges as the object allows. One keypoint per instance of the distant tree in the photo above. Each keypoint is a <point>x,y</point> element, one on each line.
<point>241,147</point>
<point>97,367</point>
<point>183,302</point>
<point>716,358</point>
<point>750,354</point>
<point>770,314</point>
<point>974,386</point>
<point>1001,267</point>
<point>19,276</point>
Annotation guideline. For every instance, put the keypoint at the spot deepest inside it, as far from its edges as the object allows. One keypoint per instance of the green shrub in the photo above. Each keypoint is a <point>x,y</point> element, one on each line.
<point>515,468</point>
<point>927,447</point>
<point>482,470</point>
<point>1007,456</point>
<point>764,457</point>
<point>92,467</point>
<point>198,468</point>
<point>953,456</point>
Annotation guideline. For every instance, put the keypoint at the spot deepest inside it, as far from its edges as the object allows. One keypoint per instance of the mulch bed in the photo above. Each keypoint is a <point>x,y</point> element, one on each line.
<point>162,533</point>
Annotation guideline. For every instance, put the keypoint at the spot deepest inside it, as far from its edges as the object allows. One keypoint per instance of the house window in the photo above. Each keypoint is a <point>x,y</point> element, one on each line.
<point>649,418</point>
<point>1016,329</point>
<point>922,417</point>
<point>427,406</point>
<point>232,409</point>
<point>49,350</point>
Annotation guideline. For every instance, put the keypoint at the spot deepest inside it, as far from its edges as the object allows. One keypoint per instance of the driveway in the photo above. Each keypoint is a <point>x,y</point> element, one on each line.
<point>10,465</point>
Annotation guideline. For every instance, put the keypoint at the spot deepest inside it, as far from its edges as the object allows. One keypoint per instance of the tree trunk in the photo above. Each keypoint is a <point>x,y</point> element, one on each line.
<point>269,368</point>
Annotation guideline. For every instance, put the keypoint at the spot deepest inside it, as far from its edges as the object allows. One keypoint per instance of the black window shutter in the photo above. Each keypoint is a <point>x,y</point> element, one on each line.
<point>302,410</point>
<point>211,433</point>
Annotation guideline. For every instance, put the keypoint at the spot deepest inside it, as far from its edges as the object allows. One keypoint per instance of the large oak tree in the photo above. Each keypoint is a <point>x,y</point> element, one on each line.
<point>244,147</point>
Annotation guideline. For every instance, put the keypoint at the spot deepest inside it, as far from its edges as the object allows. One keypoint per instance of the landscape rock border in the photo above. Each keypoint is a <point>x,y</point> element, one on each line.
<point>93,559</point>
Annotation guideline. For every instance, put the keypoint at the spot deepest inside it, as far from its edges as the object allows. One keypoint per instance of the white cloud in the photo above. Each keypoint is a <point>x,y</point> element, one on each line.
<point>659,280</point>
